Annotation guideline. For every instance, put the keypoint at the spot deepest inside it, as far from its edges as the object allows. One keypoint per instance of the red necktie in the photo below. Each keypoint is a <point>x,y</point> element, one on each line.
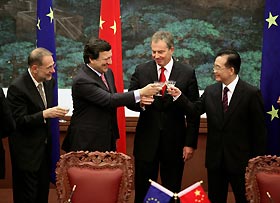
<point>225,99</point>
<point>162,79</point>
<point>104,80</point>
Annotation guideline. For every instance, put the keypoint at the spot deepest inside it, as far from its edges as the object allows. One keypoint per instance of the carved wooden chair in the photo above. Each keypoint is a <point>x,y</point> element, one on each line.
<point>98,177</point>
<point>262,179</point>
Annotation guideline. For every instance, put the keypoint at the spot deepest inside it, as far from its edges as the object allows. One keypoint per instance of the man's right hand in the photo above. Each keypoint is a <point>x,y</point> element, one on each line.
<point>55,112</point>
<point>150,90</point>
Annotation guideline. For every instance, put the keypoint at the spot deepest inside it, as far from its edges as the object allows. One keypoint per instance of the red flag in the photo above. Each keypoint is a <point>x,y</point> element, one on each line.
<point>110,30</point>
<point>193,194</point>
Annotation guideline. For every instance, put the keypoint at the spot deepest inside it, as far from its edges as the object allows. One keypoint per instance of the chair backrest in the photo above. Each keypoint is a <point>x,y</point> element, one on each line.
<point>262,178</point>
<point>101,177</point>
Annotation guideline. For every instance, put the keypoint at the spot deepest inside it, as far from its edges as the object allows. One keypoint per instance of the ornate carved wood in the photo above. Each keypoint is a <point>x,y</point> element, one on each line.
<point>267,164</point>
<point>94,160</point>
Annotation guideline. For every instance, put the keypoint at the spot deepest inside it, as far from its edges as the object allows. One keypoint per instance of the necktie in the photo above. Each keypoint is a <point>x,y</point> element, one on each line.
<point>225,99</point>
<point>104,80</point>
<point>162,79</point>
<point>42,94</point>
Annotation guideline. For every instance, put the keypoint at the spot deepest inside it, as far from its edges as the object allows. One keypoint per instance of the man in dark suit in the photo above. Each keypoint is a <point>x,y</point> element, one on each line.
<point>93,125</point>
<point>236,127</point>
<point>7,125</point>
<point>164,137</point>
<point>30,145</point>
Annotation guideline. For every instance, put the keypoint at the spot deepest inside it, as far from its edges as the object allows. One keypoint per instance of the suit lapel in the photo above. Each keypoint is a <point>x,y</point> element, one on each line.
<point>48,92</point>
<point>110,82</point>
<point>174,74</point>
<point>32,89</point>
<point>96,78</point>
<point>154,72</point>
<point>217,100</point>
<point>235,99</point>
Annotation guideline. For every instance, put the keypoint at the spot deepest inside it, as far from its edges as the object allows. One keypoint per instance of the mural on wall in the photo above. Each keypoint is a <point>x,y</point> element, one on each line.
<point>200,27</point>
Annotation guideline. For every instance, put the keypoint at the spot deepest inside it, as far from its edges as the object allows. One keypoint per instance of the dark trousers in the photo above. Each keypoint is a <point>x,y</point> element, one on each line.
<point>170,174</point>
<point>31,186</point>
<point>218,183</point>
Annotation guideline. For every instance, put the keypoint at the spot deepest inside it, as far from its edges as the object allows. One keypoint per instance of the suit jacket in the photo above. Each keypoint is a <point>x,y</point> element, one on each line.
<point>28,143</point>
<point>94,121</point>
<point>163,124</point>
<point>7,125</point>
<point>237,135</point>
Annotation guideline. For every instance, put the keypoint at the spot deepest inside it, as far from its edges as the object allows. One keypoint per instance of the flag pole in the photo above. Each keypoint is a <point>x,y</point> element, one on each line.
<point>175,197</point>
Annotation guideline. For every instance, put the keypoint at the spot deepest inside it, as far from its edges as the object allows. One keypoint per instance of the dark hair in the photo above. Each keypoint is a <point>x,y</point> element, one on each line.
<point>35,56</point>
<point>233,59</point>
<point>93,47</point>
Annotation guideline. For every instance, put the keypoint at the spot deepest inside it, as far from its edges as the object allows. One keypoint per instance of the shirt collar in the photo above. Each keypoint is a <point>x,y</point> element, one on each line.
<point>99,74</point>
<point>232,85</point>
<point>168,66</point>
<point>35,81</point>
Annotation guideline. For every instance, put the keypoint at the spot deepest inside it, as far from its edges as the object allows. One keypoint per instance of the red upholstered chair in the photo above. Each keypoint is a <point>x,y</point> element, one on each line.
<point>100,177</point>
<point>262,176</point>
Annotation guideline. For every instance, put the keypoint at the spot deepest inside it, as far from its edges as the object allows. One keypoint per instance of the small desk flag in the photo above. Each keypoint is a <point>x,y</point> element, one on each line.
<point>158,193</point>
<point>193,194</point>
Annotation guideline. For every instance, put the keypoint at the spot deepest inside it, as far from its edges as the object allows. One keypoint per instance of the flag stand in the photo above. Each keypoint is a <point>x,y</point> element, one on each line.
<point>175,197</point>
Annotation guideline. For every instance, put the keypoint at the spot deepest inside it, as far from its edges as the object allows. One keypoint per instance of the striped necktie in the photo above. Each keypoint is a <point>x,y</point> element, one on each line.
<point>104,80</point>
<point>42,94</point>
<point>225,99</point>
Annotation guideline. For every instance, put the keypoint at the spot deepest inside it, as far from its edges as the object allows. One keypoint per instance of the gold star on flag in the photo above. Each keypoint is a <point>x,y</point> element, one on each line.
<point>38,24</point>
<point>197,192</point>
<point>114,27</point>
<point>50,14</point>
<point>273,113</point>
<point>101,23</point>
<point>271,20</point>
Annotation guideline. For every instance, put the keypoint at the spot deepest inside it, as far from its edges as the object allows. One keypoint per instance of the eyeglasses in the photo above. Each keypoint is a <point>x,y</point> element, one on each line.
<point>218,68</point>
<point>51,66</point>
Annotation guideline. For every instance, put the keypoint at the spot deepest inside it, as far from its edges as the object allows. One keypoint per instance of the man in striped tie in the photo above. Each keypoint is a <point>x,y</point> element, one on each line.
<point>236,126</point>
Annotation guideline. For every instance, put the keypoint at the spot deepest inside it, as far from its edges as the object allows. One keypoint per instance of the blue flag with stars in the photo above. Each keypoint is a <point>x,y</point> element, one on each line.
<point>158,194</point>
<point>270,73</point>
<point>46,39</point>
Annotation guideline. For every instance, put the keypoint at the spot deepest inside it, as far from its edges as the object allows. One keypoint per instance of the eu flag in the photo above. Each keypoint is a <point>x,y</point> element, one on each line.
<point>46,39</point>
<point>158,194</point>
<point>270,73</point>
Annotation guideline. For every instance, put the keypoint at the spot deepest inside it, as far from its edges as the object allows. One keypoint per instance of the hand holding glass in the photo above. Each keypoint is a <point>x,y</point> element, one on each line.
<point>170,83</point>
<point>160,84</point>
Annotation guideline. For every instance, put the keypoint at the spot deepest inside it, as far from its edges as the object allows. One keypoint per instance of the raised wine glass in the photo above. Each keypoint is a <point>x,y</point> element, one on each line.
<point>160,84</point>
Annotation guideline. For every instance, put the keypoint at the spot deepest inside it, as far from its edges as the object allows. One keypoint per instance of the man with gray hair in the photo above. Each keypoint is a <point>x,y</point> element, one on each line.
<point>30,98</point>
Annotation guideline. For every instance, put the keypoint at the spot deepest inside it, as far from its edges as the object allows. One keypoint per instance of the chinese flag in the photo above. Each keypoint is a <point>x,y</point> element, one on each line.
<point>110,30</point>
<point>193,194</point>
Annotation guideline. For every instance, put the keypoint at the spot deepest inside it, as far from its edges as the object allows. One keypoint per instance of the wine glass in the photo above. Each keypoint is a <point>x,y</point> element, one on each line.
<point>160,84</point>
<point>66,109</point>
<point>170,83</point>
